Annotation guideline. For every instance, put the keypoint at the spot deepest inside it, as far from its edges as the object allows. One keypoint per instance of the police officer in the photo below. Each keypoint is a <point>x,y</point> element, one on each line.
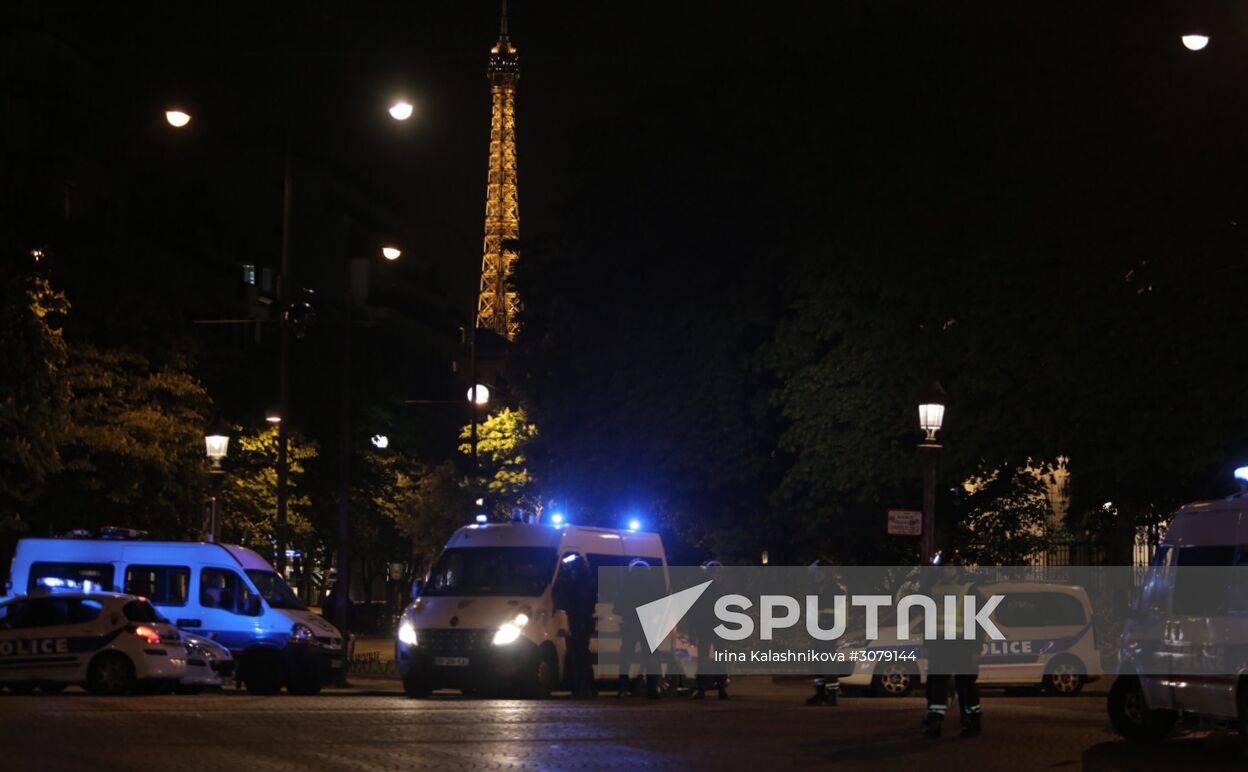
<point>644,587</point>
<point>957,658</point>
<point>701,630</point>
<point>824,585</point>
<point>577,599</point>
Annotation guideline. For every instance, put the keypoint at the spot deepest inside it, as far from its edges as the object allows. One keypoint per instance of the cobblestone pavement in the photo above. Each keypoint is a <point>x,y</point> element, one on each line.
<point>374,727</point>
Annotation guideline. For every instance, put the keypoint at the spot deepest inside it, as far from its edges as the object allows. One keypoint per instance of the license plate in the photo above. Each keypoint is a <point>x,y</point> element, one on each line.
<point>450,661</point>
<point>335,663</point>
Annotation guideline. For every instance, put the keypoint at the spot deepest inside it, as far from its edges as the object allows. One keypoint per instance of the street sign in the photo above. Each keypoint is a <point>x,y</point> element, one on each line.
<point>905,522</point>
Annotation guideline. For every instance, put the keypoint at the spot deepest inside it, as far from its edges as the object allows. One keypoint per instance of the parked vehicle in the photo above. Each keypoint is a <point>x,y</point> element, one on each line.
<point>1184,647</point>
<point>1049,642</point>
<point>208,664</point>
<point>108,643</point>
<point>485,619</point>
<point>225,593</point>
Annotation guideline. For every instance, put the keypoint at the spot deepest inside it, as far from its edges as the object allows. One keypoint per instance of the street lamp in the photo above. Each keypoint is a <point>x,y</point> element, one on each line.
<point>391,252</point>
<point>401,110</point>
<point>1195,42</point>
<point>931,419</point>
<point>931,416</point>
<point>273,415</point>
<point>479,395</point>
<point>215,447</point>
<point>177,118</point>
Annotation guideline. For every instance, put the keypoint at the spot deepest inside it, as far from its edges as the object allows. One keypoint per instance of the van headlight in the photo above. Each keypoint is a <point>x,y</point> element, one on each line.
<point>407,633</point>
<point>509,632</point>
<point>302,633</point>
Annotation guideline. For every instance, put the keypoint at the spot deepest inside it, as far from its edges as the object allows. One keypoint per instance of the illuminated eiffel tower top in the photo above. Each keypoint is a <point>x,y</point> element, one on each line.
<point>497,302</point>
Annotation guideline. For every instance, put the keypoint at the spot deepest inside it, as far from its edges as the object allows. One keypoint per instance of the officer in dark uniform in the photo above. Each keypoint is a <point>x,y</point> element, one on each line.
<point>578,600</point>
<point>957,658</point>
<point>702,630</point>
<point>645,586</point>
<point>823,584</point>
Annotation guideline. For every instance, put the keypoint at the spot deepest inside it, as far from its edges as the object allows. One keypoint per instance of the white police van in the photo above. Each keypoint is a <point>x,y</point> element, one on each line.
<point>485,619</point>
<point>1049,641</point>
<point>107,642</point>
<point>1184,646</point>
<point>223,592</point>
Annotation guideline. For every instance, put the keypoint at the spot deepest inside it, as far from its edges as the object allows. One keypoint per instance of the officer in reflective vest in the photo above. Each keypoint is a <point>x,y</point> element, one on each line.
<point>958,658</point>
<point>825,585</point>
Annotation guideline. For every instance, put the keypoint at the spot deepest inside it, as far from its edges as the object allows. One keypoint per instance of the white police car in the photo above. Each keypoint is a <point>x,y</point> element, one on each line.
<point>109,643</point>
<point>208,664</point>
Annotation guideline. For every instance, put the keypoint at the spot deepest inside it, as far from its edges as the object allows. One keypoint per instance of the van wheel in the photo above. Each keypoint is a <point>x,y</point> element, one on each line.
<point>1064,677</point>
<point>1131,716</point>
<point>263,673</point>
<point>894,679</point>
<point>111,673</point>
<point>543,676</point>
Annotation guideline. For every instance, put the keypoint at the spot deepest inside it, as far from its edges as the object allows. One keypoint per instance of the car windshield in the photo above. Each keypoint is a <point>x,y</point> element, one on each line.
<point>523,571</point>
<point>275,590</point>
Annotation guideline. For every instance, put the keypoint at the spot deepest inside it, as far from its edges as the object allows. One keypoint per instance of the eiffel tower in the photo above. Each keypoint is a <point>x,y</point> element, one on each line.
<point>497,303</point>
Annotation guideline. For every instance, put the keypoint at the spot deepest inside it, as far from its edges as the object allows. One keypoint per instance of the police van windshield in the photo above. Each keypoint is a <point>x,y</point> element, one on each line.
<point>522,571</point>
<point>275,590</point>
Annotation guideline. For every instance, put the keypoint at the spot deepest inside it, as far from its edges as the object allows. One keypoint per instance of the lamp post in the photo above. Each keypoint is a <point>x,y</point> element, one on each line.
<point>478,397</point>
<point>342,591</point>
<point>179,118</point>
<point>931,419</point>
<point>215,447</point>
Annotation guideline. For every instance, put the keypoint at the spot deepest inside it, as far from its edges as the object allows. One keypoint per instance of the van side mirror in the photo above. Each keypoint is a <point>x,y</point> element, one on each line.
<point>417,586</point>
<point>251,607</point>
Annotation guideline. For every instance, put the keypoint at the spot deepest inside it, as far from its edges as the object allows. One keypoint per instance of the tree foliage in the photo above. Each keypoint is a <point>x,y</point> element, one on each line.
<point>425,503</point>
<point>34,395</point>
<point>1002,518</point>
<point>249,489</point>
<point>503,442</point>
<point>132,449</point>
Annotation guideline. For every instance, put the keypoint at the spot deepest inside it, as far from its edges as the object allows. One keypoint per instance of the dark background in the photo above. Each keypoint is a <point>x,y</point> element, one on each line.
<point>718,206</point>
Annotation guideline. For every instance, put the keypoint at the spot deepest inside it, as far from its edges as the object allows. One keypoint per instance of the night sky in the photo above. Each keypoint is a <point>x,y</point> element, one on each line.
<point>1113,82</point>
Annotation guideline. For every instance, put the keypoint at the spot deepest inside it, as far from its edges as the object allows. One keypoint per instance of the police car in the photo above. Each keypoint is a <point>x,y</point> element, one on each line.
<point>208,664</point>
<point>108,643</point>
<point>1049,641</point>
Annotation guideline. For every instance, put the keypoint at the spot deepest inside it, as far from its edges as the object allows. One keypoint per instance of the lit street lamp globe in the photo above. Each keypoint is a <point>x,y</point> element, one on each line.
<point>391,252</point>
<point>401,110</point>
<point>177,119</point>
<point>482,394</point>
<point>1195,42</point>
<point>381,441</point>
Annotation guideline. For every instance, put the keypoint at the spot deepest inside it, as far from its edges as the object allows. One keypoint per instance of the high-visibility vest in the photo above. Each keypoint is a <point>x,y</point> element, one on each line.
<point>938,593</point>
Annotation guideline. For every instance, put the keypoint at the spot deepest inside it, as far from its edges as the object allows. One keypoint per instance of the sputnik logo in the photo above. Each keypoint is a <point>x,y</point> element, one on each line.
<point>660,617</point>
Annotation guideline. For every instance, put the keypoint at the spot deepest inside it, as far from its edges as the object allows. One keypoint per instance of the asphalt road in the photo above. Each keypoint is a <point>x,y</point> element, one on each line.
<point>374,727</point>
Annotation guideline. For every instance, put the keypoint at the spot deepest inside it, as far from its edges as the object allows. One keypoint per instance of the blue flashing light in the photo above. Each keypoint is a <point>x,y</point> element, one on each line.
<point>557,519</point>
<point>634,524</point>
<point>482,519</point>
<point>52,581</point>
<point>1241,474</point>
